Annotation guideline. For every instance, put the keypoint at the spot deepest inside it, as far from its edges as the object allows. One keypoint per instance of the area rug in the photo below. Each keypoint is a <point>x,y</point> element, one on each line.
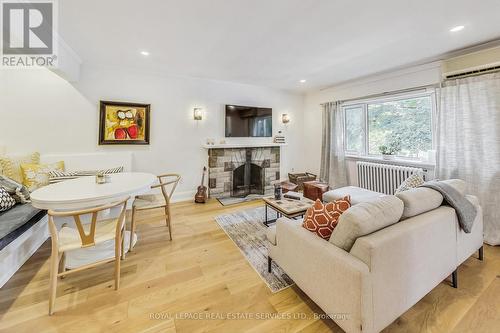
<point>247,231</point>
<point>234,200</point>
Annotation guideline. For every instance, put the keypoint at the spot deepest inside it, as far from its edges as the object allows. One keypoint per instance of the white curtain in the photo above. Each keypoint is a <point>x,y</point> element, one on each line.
<point>468,142</point>
<point>333,167</point>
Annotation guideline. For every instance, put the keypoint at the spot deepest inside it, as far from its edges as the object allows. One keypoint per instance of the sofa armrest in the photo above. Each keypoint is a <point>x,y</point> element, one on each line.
<point>407,260</point>
<point>333,278</point>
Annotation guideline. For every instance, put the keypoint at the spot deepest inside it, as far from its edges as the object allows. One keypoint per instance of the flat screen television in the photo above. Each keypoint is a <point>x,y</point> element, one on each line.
<point>248,121</point>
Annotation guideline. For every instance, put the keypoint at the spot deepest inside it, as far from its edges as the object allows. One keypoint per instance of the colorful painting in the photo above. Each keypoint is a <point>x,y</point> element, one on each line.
<point>124,123</point>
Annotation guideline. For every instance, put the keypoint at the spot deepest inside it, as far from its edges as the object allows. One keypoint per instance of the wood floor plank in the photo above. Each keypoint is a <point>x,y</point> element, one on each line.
<point>165,284</point>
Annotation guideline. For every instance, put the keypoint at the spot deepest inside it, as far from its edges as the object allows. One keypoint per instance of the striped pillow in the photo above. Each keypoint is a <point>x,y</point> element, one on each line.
<point>57,176</point>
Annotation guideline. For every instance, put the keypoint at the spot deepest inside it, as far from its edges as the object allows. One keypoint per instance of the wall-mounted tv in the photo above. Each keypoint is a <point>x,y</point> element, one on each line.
<point>248,121</point>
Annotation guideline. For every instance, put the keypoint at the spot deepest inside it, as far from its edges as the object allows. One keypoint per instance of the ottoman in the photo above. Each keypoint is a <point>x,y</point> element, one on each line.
<point>357,194</point>
<point>314,189</point>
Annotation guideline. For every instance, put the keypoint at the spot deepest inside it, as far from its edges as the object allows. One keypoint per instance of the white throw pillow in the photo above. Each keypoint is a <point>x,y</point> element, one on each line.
<point>413,181</point>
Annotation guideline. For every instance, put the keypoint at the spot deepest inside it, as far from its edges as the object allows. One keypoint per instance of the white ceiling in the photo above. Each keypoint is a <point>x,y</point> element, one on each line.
<point>273,42</point>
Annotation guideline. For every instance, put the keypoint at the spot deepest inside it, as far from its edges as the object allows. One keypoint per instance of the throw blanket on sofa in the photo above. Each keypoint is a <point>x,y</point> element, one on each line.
<point>466,212</point>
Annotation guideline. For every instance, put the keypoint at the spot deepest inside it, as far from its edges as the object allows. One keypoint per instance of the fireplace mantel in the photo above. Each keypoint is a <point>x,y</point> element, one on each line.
<point>242,145</point>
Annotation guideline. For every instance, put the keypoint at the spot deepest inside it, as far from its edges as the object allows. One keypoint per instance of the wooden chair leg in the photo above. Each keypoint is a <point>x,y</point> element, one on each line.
<point>481,253</point>
<point>62,264</point>
<point>123,246</point>
<point>117,262</point>
<point>168,221</point>
<point>132,229</point>
<point>54,267</point>
<point>269,263</point>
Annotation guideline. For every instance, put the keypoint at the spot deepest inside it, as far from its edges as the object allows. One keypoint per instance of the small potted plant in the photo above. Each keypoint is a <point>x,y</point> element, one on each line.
<point>390,150</point>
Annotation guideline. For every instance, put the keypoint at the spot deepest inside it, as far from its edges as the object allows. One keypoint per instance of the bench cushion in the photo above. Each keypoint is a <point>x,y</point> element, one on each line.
<point>17,220</point>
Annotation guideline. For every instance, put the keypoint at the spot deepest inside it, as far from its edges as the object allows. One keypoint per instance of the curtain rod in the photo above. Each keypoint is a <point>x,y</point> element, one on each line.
<point>386,93</point>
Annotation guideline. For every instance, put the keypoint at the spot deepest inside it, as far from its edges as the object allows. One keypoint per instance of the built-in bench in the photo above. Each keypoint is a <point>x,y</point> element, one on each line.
<point>15,221</point>
<point>23,228</point>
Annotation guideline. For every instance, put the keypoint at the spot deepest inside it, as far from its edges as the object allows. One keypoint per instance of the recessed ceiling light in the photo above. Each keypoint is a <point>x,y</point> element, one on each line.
<point>457,28</point>
<point>302,81</point>
<point>145,53</point>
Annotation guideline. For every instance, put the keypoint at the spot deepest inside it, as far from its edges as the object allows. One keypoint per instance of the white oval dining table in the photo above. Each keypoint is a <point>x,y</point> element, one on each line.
<point>84,192</point>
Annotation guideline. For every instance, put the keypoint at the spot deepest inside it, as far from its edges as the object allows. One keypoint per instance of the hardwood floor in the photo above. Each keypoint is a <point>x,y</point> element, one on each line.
<point>166,284</point>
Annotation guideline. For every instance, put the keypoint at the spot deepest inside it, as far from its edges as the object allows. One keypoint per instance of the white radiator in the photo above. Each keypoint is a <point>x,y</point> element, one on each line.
<point>384,178</point>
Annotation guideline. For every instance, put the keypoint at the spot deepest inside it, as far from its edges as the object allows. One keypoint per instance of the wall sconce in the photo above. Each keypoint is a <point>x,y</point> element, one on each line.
<point>197,114</point>
<point>285,118</point>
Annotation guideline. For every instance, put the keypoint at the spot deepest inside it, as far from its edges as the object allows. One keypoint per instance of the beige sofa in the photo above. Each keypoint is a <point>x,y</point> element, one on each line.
<point>385,272</point>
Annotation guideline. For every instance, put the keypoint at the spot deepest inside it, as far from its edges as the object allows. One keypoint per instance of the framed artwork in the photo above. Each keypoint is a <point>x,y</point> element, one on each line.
<point>123,123</point>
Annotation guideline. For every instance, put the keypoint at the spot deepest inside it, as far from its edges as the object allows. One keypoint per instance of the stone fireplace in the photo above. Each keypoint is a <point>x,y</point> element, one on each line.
<point>238,172</point>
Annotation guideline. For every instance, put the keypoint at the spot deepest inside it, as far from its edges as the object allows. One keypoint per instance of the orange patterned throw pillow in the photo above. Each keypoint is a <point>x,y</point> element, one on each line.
<point>323,218</point>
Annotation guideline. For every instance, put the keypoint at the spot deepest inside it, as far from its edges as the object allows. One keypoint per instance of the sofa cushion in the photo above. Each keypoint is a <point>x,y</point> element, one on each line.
<point>357,194</point>
<point>322,219</point>
<point>364,218</point>
<point>17,220</point>
<point>419,200</point>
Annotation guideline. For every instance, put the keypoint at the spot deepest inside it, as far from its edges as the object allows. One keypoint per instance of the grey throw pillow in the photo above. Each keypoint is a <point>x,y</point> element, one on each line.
<point>6,201</point>
<point>16,190</point>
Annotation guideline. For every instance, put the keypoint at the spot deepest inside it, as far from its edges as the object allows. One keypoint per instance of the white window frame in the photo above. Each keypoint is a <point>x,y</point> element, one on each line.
<point>428,92</point>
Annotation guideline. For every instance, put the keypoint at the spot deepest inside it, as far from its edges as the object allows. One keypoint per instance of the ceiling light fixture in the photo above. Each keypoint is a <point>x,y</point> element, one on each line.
<point>145,53</point>
<point>457,28</point>
<point>302,81</point>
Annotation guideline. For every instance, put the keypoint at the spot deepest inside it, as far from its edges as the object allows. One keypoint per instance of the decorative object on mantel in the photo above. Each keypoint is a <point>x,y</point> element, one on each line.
<point>124,123</point>
<point>198,113</point>
<point>300,178</point>
<point>210,141</point>
<point>279,138</point>
<point>285,118</point>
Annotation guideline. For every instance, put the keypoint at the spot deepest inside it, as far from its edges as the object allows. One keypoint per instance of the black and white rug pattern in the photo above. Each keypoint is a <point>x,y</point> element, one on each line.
<point>247,231</point>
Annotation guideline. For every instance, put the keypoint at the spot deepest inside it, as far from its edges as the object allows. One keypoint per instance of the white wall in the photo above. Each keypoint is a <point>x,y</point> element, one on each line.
<point>41,111</point>
<point>408,78</point>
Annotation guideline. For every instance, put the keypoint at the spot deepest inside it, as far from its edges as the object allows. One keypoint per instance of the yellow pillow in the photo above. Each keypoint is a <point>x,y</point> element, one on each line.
<point>37,175</point>
<point>11,165</point>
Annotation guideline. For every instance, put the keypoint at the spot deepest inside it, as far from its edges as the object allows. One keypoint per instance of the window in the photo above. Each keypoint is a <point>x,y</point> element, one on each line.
<point>355,128</point>
<point>403,124</point>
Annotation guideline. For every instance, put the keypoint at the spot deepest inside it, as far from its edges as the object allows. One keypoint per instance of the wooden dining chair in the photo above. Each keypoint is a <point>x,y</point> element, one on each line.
<point>83,236</point>
<point>167,183</point>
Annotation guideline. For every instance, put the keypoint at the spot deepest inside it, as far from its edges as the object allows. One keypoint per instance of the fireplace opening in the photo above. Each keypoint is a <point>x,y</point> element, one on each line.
<point>248,179</point>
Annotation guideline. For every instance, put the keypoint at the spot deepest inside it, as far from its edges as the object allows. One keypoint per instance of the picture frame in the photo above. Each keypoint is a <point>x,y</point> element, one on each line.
<point>123,123</point>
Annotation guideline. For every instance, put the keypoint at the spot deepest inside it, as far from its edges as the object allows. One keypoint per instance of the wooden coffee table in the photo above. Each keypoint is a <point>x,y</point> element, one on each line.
<point>287,207</point>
